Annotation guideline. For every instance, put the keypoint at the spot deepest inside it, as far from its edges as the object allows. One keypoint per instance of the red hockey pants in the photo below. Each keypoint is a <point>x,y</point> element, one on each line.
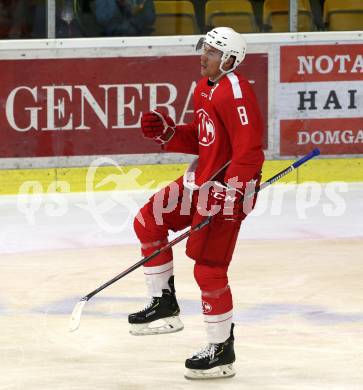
<point>211,247</point>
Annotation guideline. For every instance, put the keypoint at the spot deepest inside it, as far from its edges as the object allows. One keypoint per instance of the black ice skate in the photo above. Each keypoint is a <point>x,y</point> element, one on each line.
<point>214,361</point>
<point>161,315</point>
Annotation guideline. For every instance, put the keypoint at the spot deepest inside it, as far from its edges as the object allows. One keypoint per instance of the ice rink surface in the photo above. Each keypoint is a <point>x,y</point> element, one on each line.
<point>296,278</point>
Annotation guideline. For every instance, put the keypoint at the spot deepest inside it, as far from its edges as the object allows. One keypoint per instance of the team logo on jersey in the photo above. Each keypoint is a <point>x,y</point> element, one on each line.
<point>207,307</point>
<point>206,129</point>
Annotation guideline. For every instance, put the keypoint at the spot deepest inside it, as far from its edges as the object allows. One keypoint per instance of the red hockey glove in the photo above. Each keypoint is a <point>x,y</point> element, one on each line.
<point>228,199</point>
<point>158,126</point>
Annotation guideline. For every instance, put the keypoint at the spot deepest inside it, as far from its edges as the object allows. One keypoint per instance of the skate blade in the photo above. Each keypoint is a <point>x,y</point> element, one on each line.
<point>226,371</point>
<point>164,325</point>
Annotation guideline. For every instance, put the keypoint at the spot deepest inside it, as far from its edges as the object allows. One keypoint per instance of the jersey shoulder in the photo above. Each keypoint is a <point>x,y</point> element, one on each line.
<point>234,86</point>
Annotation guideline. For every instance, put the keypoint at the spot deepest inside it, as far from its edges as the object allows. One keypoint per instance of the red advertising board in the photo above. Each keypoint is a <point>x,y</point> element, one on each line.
<point>331,136</point>
<point>92,106</point>
<point>324,85</point>
<point>307,63</point>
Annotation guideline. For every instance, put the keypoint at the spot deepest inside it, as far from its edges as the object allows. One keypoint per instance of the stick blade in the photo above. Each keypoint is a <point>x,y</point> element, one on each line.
<point>76,315</point>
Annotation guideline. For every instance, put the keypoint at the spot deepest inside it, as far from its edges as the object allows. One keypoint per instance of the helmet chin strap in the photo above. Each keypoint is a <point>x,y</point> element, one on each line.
<point>223,72</point>
<point>217,78</point>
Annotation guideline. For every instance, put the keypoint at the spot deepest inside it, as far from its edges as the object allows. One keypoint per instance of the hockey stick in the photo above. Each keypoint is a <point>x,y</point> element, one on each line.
<point>77,311</point>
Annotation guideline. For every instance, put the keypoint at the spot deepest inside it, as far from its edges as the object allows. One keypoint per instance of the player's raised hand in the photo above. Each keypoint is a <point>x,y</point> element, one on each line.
<point>158,126</point>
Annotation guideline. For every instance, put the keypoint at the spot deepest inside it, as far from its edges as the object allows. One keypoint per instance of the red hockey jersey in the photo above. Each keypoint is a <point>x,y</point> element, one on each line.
<point>227,127</point>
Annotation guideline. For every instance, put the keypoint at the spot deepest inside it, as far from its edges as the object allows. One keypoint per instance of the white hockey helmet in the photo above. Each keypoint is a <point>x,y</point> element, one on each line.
<point>229,42</point>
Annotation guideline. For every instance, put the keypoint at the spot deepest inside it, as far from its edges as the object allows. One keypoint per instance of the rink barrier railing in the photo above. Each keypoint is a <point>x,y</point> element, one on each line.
<point>144,177</point>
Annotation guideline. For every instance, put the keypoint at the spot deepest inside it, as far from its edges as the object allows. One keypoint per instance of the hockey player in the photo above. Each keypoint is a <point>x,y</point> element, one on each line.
<point>226,135</point>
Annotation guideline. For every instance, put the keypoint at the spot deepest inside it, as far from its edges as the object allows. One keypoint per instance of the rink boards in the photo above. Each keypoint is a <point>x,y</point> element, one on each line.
<point>143,177</point>
<point>76,104</point>
<point>67,101</point>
